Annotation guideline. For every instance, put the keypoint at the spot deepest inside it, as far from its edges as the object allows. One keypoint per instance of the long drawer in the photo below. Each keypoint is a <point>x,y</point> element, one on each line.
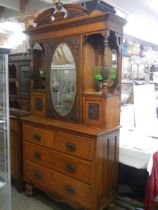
<point>56,182</point>
<point>74,145</point>
<point>71,166</point>
<point>38,136</point>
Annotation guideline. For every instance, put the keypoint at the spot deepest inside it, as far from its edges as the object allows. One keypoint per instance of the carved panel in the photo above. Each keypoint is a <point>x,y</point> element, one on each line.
<point>59,12</point>
<point>93,111</point>
<point>38,104</point>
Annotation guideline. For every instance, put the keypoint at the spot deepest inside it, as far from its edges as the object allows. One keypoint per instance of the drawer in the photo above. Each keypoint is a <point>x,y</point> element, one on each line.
<point>37,154</point>
<point>36,174</point>
<point>74,145</point>
<point>67,187</point>
<point>71,166</point>
<point>38,136</point>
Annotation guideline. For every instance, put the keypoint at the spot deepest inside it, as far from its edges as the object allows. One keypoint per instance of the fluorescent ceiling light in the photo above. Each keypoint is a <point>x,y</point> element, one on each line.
<point>11,26</point>
<point>14,30</point>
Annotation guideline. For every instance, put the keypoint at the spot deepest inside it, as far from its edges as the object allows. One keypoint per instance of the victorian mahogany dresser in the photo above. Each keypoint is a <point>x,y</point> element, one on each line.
<point>70,141</point>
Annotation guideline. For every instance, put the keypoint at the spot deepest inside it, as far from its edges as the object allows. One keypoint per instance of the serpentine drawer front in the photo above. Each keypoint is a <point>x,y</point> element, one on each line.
<point>38,136</point>
<point>61,184</point>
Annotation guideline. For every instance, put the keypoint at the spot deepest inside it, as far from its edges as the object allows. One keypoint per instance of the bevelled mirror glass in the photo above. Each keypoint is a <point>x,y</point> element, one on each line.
<point>63,79</point>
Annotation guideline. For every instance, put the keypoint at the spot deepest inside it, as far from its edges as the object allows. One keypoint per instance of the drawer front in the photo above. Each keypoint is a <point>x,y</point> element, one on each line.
<point>71,166</point>
<point>74,145</point>
<point>67,187</point>
<point>38,136</point>
<point>37,154</point>
<point>36,175</point>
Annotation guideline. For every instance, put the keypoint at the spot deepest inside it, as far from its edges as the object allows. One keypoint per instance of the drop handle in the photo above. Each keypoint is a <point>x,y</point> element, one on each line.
<point>37,155</point>
<point>37,174</point>
<point>71,168</point>
<point>70,189</point>
<point>71,147</point>
<point>37,136</point>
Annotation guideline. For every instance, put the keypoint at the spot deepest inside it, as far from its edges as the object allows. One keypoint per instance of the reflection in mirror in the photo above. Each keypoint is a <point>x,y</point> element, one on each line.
<point>63,79</point>
<point>114,58</point>
<point>113,68</point>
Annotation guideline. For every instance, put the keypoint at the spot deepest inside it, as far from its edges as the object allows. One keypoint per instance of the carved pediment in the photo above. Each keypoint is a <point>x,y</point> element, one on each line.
<point>59,12</point>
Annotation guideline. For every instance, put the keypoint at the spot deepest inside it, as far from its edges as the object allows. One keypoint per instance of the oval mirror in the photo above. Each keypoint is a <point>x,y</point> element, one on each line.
<point>63,79</point>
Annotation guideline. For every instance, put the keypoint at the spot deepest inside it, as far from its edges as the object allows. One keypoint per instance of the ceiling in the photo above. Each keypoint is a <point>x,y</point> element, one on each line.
<point>143,8</point>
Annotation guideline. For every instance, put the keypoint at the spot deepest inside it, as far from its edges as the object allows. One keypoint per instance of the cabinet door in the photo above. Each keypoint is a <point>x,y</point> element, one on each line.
<point>24,78</point>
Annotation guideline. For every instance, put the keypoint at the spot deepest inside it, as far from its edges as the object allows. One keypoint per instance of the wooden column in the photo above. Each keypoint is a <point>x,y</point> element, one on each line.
<point>105,63</point>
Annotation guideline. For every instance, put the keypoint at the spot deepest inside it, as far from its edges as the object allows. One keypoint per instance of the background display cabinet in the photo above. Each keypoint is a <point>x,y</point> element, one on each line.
<point>70,140</point>
<point>19,69</point>
<point>19,81</point>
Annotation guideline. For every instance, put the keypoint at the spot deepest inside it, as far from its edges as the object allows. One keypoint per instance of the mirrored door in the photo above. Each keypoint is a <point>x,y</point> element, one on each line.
<point>4,133</point>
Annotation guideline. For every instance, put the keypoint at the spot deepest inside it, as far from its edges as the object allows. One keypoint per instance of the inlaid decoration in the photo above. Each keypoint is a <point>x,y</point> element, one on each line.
<point>93,111</point>
<point>38,104</point>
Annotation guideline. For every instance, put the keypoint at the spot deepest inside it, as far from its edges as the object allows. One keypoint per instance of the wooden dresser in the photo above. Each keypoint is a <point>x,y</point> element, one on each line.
<point>70,140</point>
<point>76,163</point>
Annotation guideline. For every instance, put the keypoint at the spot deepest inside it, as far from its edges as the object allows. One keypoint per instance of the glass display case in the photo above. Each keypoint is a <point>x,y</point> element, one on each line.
<point>4,133</point>
<point>19,81</point>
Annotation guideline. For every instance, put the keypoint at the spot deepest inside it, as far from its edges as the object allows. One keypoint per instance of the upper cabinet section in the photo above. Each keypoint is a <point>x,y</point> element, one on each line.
<point>78,55</point>
<point>92,17</point>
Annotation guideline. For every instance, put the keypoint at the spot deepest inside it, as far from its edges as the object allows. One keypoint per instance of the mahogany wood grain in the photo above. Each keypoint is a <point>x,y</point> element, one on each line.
<point>88,66</point>
<point>112,111</point>
<point>107,165</point>
<point>71,166</point>
<point>61,184</point>
<point>79,151</point>
<point>38,136</point>
<point>74,145</point>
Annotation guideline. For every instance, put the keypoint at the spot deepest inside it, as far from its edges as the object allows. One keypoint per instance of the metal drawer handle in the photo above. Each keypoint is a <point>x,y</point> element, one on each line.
<point>37,136</point>
<point>70,189</point>
<point>37,174</point>
<point>71,147</point>
<point>37,155</point>
<point>71,168</point>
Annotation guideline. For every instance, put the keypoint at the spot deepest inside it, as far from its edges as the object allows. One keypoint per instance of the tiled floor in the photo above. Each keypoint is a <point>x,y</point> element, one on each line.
<point>42,202</point>
<point>38,202</point>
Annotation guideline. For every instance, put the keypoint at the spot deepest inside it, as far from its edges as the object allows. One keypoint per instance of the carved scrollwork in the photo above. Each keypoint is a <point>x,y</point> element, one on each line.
<point>59,12</point>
